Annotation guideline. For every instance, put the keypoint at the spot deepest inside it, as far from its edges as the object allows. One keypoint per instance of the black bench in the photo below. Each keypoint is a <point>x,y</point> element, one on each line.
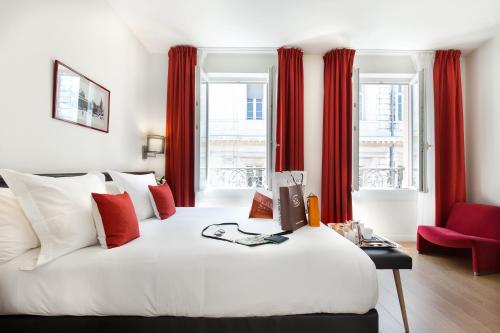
<point>391,258</point>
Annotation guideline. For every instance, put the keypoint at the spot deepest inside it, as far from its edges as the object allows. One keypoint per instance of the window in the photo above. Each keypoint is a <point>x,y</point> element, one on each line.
<point>389,136</point>
<point>399,102</point>
<point>384,137</point>
<point>237,143</point>
<point>258,109</point>
<point>254,102</point>
<point>250,108</point>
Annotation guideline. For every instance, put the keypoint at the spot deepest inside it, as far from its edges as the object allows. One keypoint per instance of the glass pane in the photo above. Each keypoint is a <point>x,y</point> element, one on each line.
<point>400,107</point>
<point>383,136</point>
<point>258,109</point>
<point>237,147</point>
<point>249,108</point>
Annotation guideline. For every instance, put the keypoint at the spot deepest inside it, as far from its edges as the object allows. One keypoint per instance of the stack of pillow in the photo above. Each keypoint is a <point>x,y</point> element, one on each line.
<point>61,215</point>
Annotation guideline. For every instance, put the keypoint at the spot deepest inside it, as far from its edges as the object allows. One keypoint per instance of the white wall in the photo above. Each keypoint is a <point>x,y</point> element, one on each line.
<point>387,64</point>
<point>482,123</point>
<point>87,36</point>
<point>157,104</point>
<point>313,120</point>
<point>237,62</point>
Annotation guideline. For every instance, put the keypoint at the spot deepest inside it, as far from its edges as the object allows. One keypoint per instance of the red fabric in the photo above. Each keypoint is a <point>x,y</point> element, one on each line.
<point>179,154</point>
<point>336,203</point>
<point>475,220</point>
<point>469,226</point>
<point>290,116</point>
<point>163,201</point>
<point>118,218</point>
<point>449,134</point>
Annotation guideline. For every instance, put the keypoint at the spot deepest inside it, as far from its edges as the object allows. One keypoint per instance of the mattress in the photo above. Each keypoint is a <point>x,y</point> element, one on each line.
<point>172,270</point>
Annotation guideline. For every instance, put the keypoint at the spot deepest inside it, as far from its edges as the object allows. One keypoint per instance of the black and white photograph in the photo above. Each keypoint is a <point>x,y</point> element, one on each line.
<point>79,100</point>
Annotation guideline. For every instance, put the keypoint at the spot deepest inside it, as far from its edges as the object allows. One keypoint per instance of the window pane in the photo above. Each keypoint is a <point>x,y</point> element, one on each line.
<point>400,107</point>
<point>249,108</point>
<point>237,148</point>
<point>383,136</point>
<point>258,109</point>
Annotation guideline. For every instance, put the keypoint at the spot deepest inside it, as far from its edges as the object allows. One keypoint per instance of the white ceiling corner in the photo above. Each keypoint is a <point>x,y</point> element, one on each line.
<point>314,25</point>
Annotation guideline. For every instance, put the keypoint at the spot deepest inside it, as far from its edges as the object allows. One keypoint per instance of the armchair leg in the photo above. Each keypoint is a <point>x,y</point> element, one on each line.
<point>399,288</point>
<point>485,259</point>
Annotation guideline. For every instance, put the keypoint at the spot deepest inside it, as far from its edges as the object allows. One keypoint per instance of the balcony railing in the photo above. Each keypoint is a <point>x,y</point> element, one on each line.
<point>381,177</point>
<point>381,128</point>
<point>251,177</point>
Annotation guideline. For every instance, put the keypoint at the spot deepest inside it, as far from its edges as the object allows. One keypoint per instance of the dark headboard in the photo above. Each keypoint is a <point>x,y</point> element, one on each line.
<point>57,175</point>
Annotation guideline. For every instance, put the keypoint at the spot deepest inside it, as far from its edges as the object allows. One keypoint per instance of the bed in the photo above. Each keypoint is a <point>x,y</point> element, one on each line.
<point>173,280</point>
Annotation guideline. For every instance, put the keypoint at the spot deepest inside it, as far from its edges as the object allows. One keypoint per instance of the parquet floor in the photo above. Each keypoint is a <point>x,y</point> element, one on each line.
<point>441,295</point>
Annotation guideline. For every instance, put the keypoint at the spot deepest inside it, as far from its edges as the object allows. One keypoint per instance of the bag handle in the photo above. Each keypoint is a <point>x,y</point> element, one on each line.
<point>301,180</point>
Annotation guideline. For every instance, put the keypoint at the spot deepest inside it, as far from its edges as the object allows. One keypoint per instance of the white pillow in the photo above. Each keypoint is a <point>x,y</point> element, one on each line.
<point>111,188</point>
<point>16,234</point>
<point>137,187</point>
<point>59,209</point>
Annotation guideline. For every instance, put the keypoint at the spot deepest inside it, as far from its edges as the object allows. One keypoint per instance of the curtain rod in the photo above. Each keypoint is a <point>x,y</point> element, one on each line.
<point>388,51</point>
<point>272,50</point>
<point>210,49</point>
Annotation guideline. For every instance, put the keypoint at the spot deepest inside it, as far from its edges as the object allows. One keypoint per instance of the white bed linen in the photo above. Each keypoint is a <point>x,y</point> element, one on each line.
<point>172,270</point>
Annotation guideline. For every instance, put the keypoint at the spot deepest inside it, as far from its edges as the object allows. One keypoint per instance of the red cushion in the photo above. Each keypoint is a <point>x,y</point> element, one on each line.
<point>115,219</point>
<point>450,238</point>
<point>475,220</point>
<point>162,200</point>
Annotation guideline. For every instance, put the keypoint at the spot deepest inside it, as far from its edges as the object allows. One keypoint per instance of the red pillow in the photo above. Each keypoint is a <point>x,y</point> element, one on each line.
<point>162,201</point>
<point>115,219</point>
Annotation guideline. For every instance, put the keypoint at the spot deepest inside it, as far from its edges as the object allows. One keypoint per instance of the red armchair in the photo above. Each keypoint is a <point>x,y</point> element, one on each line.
<point>471,226</point>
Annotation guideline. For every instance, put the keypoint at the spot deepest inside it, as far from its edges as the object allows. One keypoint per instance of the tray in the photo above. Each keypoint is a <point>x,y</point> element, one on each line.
<point>377,242</point>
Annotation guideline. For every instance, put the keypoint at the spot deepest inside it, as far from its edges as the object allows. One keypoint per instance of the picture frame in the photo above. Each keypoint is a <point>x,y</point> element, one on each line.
<point>79,100</point>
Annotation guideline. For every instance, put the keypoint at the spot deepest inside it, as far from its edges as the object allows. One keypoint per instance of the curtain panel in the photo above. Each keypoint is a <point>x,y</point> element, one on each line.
<point>290,111</point>
<point>180,135</point>
<point>336,180</point>
<point>449,134</point>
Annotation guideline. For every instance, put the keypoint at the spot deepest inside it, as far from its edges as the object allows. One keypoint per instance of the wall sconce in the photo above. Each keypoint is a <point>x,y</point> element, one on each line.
<point>155,145</point>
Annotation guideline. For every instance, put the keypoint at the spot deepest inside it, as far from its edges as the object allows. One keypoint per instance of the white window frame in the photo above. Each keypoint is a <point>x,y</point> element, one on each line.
<point>235,78</point>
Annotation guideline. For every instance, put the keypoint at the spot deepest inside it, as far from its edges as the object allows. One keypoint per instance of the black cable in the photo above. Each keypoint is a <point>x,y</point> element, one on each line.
<point>238,227</point>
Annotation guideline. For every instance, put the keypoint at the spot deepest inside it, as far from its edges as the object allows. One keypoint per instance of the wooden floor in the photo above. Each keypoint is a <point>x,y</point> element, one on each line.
<point>441,295</point>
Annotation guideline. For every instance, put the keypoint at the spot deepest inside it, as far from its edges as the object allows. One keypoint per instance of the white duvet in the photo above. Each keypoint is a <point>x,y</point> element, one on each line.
<point>172,270</point>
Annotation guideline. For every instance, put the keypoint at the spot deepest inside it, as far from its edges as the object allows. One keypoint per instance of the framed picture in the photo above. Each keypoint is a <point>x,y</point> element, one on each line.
<point>79,100</point>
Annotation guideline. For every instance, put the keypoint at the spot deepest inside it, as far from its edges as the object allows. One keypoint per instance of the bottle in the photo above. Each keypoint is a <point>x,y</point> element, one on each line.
<point>313,210</point>
<point>355,227</point>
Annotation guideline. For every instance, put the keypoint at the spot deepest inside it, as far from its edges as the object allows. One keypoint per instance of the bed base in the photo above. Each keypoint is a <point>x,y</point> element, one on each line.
<point>313,323</point>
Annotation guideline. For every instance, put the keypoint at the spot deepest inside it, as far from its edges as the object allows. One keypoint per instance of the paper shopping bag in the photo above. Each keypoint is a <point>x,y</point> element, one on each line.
<point>292,207</point>
<point>262,207</point>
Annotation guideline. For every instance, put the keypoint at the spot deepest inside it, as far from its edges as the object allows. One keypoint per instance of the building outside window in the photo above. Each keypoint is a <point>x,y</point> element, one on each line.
<point>237,135</point>
<point>384,142</point>
<point>254,101</point>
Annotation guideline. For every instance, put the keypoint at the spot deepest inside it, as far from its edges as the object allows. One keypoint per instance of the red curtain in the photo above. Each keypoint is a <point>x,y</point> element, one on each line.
<point>336,178</point>
<point>290,117</point>
<point>449,134</point>
<point>179,154</point>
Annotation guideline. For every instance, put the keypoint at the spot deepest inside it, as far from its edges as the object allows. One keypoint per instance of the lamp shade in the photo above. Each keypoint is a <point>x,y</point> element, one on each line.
<point>156,144</point>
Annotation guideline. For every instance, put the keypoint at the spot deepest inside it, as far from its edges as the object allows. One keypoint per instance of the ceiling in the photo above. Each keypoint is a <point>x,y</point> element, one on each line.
<point>314,25</point>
